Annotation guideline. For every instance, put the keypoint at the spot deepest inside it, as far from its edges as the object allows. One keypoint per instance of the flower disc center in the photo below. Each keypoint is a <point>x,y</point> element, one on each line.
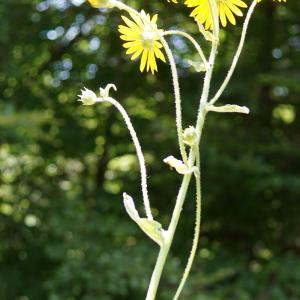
<point>148,37</point>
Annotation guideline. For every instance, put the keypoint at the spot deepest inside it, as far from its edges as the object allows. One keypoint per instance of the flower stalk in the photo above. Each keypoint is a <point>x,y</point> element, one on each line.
<point>236,56</point>
<point>192,40</point>
<point>89,98</point>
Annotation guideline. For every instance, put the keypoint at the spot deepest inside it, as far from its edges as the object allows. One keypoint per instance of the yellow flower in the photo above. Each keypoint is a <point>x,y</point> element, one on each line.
<point>100,3</point>
<point>142,39</point>
<point>274,0</point>
<point>226,8</point>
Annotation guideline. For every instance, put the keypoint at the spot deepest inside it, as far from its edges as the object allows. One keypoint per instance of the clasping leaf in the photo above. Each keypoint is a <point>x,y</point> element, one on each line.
<point>152,228</point>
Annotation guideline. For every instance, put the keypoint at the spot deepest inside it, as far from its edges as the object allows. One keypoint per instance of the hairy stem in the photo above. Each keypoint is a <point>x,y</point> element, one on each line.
<point>139,152</point>
<point>237,54</point>
<point>155,279</point>
<point>197,230</point>
<point>186,179</point>
<point>164,251</point>
<point>177,99</point>
<point>215,17</point>
<point>191,39</point>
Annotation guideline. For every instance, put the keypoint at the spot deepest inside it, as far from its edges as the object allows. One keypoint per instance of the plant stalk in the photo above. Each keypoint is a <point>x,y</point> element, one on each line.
<point>156,275</point>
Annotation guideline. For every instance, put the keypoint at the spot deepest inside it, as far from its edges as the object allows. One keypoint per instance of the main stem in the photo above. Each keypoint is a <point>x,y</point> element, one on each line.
<point>197,230</point>
<point>164,251</point>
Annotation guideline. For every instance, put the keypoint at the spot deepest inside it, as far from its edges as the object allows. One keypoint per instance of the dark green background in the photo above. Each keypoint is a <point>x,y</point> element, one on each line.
<point>64,234</point>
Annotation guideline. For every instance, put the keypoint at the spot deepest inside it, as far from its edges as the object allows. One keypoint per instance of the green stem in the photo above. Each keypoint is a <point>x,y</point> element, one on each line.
<point>191,39</point>
<point>156,275</point>
<point>169,235</point>
<point>138,149</point>
<point>151,294</point>
<point>215,17</point>
<point>164,251</point>
<point>177,99</point>
<point>185,182</point>
<point>197,230</point>
<point>237,54</point>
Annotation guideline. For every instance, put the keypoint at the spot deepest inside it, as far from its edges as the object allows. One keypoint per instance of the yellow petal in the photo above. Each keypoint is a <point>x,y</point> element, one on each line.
<point>144,60</point>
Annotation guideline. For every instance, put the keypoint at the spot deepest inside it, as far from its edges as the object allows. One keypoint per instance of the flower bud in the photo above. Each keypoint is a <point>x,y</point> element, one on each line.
<point>87,97</point>
<point>190,136</point>
<point>104,93</point>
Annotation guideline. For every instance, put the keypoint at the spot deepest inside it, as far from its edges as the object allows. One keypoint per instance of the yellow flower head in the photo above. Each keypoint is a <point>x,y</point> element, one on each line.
<point>100,3</point>
<point>274,0</point>
<point>227,10</point>
<point>142,39</point>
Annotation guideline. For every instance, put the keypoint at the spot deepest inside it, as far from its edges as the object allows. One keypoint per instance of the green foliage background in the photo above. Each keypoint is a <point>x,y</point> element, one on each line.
<point>64,234</point>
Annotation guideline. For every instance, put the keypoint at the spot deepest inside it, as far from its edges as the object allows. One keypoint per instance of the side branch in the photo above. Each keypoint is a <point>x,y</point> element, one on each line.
<point>237,54</point>
<point>191,39</point>
<point>138,149</point>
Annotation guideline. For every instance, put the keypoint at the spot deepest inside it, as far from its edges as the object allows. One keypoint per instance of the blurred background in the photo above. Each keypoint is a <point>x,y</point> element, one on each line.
<point>64,234</point>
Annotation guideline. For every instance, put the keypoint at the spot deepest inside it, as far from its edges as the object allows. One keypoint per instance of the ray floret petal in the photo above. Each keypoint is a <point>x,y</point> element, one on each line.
<point>101,3</point>
<point>273,0</point>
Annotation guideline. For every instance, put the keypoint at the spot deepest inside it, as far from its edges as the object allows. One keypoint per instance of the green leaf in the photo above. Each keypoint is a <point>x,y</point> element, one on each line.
<point>197,65</point>
<point>153,229</point>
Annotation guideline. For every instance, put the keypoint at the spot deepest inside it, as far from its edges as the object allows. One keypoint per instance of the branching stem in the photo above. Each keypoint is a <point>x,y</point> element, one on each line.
<point>191,39</point>
<point>156,275</point>
<point>237,54</point>
<point>197,229</point>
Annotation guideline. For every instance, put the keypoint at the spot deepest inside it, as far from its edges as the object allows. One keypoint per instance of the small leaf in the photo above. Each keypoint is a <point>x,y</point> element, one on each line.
<point>130,207</point>
<point>198,66</point>
<point>153,229</point>
<point>229,108</point>
<point>207,34</point>
<point>178,165</point>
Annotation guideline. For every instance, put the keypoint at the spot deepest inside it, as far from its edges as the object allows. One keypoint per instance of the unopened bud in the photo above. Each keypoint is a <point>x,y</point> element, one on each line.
<point>190,136</point>
<point>104,93</point>
<point>87,97</point>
